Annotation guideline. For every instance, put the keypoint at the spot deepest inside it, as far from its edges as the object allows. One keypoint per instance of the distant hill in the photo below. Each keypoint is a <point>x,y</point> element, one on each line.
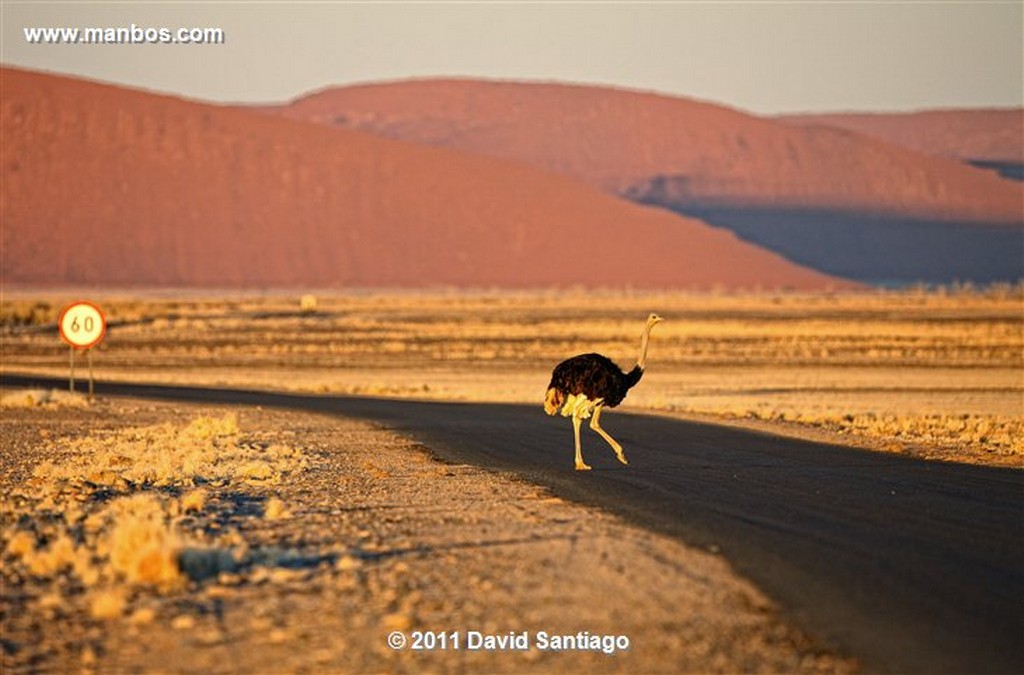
<point>103,185</point>
<point>988,138</point>
<point>838,201</point>
<point>991,139</point>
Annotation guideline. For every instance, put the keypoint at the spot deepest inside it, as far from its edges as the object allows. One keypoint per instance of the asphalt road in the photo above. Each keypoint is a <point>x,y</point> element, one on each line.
<point>908,565</point>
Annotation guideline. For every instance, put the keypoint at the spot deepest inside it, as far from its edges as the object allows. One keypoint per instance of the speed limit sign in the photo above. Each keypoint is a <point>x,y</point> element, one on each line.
<point>82,325</point>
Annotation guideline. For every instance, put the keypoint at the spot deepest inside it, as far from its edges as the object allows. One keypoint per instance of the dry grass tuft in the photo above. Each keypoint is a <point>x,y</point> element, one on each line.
<point>144,544</point>
<point>47,561</point>
<point>275,509</point>
<point>108,603</point>
<point>194,501</point>
<point>105,515</point>
<point>206,451</point>
<point>47,399</point>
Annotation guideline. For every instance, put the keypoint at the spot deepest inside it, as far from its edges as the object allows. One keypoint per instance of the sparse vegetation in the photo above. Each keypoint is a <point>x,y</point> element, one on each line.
<point>27,313</point>
<point>932,372</point>
<point>111,515</point>
<point>156,547</point>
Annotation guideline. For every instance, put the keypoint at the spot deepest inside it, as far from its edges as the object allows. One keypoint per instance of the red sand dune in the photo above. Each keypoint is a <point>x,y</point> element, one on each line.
<point>979,135</point>
<point>619,140</point>
<point>105,185</point>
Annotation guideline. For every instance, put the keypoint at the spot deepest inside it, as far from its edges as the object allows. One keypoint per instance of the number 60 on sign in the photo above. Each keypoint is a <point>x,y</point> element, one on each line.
<point>82,325</point>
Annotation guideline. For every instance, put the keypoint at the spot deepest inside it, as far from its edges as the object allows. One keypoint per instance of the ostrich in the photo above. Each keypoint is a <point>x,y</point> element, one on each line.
<point>583,385</point>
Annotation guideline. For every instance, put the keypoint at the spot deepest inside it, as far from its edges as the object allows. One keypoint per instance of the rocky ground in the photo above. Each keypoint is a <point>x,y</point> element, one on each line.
<point>150,537</point>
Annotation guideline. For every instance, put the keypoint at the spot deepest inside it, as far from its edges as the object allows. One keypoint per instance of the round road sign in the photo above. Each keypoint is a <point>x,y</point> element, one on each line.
<point>82,325</point>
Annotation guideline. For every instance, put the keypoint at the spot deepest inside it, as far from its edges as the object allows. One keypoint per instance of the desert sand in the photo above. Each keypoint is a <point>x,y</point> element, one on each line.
<point>104,185</point>
<point>144,537</point>
<point>968,135</point>
<point>621,140</point>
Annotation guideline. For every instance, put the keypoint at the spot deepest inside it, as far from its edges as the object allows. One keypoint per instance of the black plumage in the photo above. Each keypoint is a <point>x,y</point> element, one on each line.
<point>595,376</point>
<point>583,385</point>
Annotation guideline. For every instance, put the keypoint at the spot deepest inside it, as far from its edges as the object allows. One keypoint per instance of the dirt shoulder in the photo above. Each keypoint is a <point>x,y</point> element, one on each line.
<point>143,536</point>
<point>881,434</point>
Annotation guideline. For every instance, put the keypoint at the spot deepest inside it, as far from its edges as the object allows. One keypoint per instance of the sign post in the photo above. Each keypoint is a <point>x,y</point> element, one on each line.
<point>82,326</point>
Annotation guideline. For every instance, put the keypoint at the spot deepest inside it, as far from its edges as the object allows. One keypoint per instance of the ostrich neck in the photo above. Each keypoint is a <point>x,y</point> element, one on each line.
<point>641,359</point>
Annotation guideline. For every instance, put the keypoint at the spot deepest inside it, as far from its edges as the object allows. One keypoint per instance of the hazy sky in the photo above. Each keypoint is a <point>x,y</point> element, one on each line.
<point>760,56</point>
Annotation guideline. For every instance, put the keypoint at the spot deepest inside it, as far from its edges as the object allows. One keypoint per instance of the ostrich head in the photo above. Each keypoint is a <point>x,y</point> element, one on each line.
<point>652,320</point>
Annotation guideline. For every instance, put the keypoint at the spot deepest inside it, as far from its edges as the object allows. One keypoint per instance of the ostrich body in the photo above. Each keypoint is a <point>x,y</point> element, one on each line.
<point>582,386</point>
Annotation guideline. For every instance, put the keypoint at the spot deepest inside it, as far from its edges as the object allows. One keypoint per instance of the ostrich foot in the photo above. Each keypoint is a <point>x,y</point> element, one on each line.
<point>580,466</point>
<point>622,457</point>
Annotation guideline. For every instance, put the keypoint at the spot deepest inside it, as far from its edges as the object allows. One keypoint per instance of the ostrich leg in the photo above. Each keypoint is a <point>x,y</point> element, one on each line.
<point>595,424</point>
<point>580,466</point>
